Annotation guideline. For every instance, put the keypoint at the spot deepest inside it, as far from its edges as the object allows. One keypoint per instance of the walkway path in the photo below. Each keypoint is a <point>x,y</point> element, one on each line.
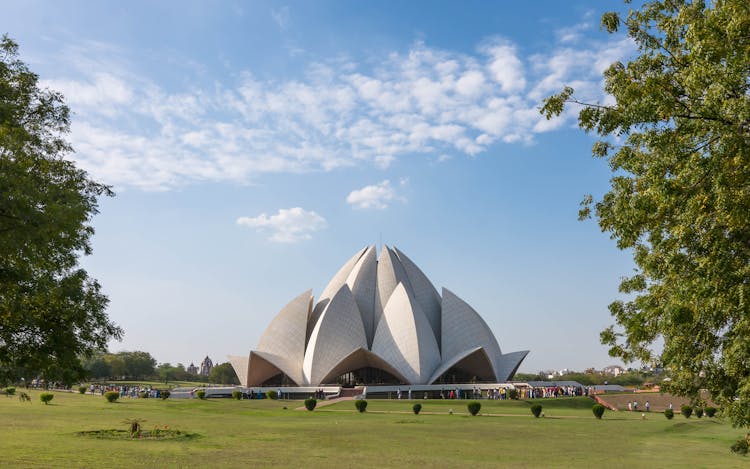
<point>328,402</point>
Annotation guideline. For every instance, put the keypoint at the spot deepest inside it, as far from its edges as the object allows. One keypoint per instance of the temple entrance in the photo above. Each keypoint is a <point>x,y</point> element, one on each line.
<point>367,375</point>
<point>278,380</point>
<point>457,375</point>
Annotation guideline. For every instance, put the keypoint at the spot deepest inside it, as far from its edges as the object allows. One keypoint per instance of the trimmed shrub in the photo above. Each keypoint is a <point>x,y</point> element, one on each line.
<point>536,409</point>
<point>710,411</point>
<point>271,394</point>
<point>512,394</point>
<point>361,405</point>
<point>201,394</point>
<point>165,394</point>
<point>669,413</point>
<point>741,446</point>
<point>46,397</point>
<point>237,395</point>
<point>416,408</point>
<point>699,412</point>
<point>687,411</point>
<point>143,395</point>
<point>10,390</point>
<point>82,389</point>
<point>474,407</point>
<point>111,396</point>
<point>598,410</point>
<point>310,403</point>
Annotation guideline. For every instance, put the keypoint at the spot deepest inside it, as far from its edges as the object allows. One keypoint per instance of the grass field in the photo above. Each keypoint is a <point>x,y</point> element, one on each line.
<point>264,434</point>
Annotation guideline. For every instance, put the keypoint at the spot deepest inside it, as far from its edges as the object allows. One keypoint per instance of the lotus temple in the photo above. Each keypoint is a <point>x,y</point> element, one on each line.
<point>380,321</point>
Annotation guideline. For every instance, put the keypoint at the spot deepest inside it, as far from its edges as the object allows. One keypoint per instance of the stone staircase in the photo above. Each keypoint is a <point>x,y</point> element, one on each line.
<point>351,392</point>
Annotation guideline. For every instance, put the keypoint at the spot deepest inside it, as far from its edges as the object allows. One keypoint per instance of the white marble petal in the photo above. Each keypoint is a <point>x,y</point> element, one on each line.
<point>424,292</point>
<point>333,286</point>
<point>464,329</point>
<point>508,364</point>
<point>404,338</point>
<point>390,273</point>
<point>285,336</point>
<point>363,283</point>
<point>264,366</point>
<point>240,365</point>
<point>338,333</point>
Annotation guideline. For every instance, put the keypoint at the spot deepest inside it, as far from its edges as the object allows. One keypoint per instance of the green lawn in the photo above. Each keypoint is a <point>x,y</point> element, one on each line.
<point>264,434</point>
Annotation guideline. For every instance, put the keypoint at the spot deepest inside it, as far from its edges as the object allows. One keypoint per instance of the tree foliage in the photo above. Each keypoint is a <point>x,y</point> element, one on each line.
<point>129,365</point>
<point>678,141</point>
<point>223,374</point>
<point>51,311</point>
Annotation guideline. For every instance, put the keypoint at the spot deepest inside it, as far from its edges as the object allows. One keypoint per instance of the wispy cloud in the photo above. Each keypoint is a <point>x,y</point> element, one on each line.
<point>129,130</point>
<point>281,17</point>
<point>288,225</point>
<point>376,196</point>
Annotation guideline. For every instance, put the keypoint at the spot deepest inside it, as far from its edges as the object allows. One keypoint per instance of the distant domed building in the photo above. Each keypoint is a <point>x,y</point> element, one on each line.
<point>206,366</point>
<point>379,321</point>
<point>192,369</point>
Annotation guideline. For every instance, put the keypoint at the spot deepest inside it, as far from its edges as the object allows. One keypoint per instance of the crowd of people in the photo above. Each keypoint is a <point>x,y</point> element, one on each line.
<point>529,392</point>
<point>125,390</point>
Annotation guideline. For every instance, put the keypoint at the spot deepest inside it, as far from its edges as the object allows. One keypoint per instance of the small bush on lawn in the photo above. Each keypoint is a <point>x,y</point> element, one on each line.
<point>710,411</point>
<point>699,412</point>
<point>165,394</point>
<point>46,397</point>
<point>111,396</point>
<point>82,389</point>
<point>512,394</point>
<point>237,395</point>
<point>687,411</point>
<point>669,413</point>
<point>536,409</point>
<point>741,446</point>
<point>271,394</point>
<point>474,407</point>
<point>598,411</point>
<point>361,405</point>
<point>143,395</point>
<point>201,394</point>
<point>416,408</point>
<point>10,390</point>
<point>310,403</point>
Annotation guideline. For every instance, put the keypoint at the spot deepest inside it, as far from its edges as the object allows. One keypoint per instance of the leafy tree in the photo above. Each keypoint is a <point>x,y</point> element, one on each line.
<point>99,368</point>
<point>677,137</point>
<point>51,312</point>
<point>223,374</point>
<point>167,372</point>
<point>138,364</point>
<point>116,365</point>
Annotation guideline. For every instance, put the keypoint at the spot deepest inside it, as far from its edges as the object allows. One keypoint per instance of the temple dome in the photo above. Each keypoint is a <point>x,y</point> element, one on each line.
<point>382,314</point>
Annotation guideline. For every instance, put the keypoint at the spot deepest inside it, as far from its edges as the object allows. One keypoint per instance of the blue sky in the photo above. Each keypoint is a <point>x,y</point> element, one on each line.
<point>255,146</point>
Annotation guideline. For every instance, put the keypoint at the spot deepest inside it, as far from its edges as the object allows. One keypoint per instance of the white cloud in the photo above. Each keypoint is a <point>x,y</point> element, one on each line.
<point>281,17</point>
<point>507,69</point>
<point>129,130</point>
<point>376,196</point>
<point>289,225</point>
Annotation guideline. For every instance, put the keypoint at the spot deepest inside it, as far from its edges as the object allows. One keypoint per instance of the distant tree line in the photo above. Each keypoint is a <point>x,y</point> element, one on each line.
<point>628,378</point>
<point>138,365</point>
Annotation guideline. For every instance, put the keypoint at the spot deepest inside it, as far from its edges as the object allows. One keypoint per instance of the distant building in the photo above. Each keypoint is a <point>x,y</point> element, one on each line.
<point>206,366</point>
<point>192,369</point>
<point>614,370</point>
